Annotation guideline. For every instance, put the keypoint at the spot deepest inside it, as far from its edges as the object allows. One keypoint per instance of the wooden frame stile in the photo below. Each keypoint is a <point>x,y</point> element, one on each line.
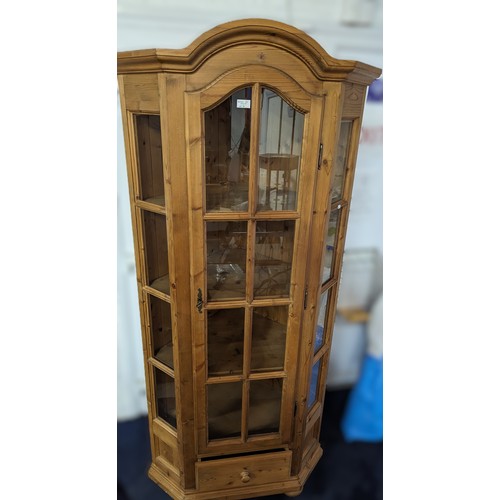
<point>194,138</point>
<point>250,262</point>
<point>171,89</point>
<point>128,135</point>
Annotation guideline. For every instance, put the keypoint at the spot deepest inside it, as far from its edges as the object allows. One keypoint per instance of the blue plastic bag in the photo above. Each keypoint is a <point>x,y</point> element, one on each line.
<point>363,416</point>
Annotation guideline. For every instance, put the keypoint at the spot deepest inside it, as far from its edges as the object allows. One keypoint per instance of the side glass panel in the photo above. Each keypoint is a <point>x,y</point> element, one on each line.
<point>226,260</point>
<point>320,327</point>
<point>225,341</point>
<point>313,387</point>
<point>280,148</point>
<point>264,406</point>
<point>341,160</point>
<point>224,410</point>
<point>227,146</point>
<point>273,258</point>
<point>269,338</point>
<point>155,240</point>
<point>150,161</point>
<point>165,397</point>
<point>161,330</point>
<point>329,250</point>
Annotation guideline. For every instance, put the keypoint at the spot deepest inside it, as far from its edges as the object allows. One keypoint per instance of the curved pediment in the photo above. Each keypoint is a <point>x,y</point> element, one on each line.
<point>247,32</point>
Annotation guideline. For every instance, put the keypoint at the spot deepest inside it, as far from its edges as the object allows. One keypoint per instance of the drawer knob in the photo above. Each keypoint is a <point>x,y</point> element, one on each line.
<point>245,477</point>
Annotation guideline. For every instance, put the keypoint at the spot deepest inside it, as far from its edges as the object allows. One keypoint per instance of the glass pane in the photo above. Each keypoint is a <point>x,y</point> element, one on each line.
<point>313,387</point>
<point>264,406</point>
<point>165,397</point>
<point>329,250</point>
<point>227,146</point>
<point>320,327</point>
<point>225,341</point>
<point>226,260</point>
<point>161,330</point>
<point>149,157</point>
<point>224,410</point>
<point>280,148</point>
<point>273,258</point>
<point>269,338</point>
<point>155,240</point>
<point>341,160</point>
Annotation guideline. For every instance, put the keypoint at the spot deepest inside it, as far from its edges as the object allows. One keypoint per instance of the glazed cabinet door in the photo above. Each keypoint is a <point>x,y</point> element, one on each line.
<point>253,143</point>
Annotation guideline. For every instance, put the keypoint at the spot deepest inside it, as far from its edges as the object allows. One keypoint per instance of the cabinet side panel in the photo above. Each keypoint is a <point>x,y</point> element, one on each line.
<point>354,113</point>
<point>132,176</point>
<point>172,116</point>
<point>324,177</point>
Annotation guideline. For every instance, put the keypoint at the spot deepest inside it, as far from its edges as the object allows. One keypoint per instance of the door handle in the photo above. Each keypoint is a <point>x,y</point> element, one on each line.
<point>199,303</point>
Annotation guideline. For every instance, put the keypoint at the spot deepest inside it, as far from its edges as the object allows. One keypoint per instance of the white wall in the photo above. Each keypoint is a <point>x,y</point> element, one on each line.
<point>347,29</point>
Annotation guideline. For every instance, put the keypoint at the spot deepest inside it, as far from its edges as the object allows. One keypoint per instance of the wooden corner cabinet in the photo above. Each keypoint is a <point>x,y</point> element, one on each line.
<point>240,151</point>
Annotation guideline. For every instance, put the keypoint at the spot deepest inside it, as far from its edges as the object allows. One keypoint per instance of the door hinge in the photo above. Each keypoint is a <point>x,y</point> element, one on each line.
<point>320,155</point>
<point>306,292</point>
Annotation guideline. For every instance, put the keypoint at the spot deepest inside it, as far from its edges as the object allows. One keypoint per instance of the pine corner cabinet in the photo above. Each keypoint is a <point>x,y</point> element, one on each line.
<point>241,151</point>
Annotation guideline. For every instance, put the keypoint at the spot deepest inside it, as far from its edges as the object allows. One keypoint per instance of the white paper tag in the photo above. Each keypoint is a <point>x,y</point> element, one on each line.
<point>243,103</point>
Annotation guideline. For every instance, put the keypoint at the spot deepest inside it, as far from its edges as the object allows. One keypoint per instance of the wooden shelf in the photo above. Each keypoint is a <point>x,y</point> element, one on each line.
<point>162,284</point>
<point>157,200</point>
<point>166,355</point>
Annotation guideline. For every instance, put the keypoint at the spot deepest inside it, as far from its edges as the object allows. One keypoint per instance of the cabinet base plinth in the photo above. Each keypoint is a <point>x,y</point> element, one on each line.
<point>291,487</point>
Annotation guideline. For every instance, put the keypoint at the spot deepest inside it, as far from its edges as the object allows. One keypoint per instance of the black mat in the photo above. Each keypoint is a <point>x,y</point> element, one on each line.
<point>346,471</point>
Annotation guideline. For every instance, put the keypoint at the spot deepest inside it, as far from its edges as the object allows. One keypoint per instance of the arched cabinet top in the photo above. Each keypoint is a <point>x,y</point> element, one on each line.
<point>247,32</point>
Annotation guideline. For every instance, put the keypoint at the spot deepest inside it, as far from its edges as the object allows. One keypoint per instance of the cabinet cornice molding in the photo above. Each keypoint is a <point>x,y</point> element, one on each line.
<point>247,32</point>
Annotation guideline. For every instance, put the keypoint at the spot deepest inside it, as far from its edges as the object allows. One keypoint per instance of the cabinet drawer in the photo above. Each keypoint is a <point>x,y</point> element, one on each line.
<point>250,470</point>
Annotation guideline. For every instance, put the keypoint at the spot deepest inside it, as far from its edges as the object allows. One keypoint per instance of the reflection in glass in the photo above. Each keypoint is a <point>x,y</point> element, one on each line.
<point>165,397</point>
<point>320,327</point>
<point>280,148</point>
<point>341,160</point>
<point>226,260</point>
<point>264,406</point>
<point>227,147</point>
<point>224,410</point>
<point>225,341</point>
<point>155,239</point>
<point>161,330</point>
<point>313,387</point>
<point>329,249</point>
<point>268,338</point>
<point>273,258</point>
<point>149,158</point>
